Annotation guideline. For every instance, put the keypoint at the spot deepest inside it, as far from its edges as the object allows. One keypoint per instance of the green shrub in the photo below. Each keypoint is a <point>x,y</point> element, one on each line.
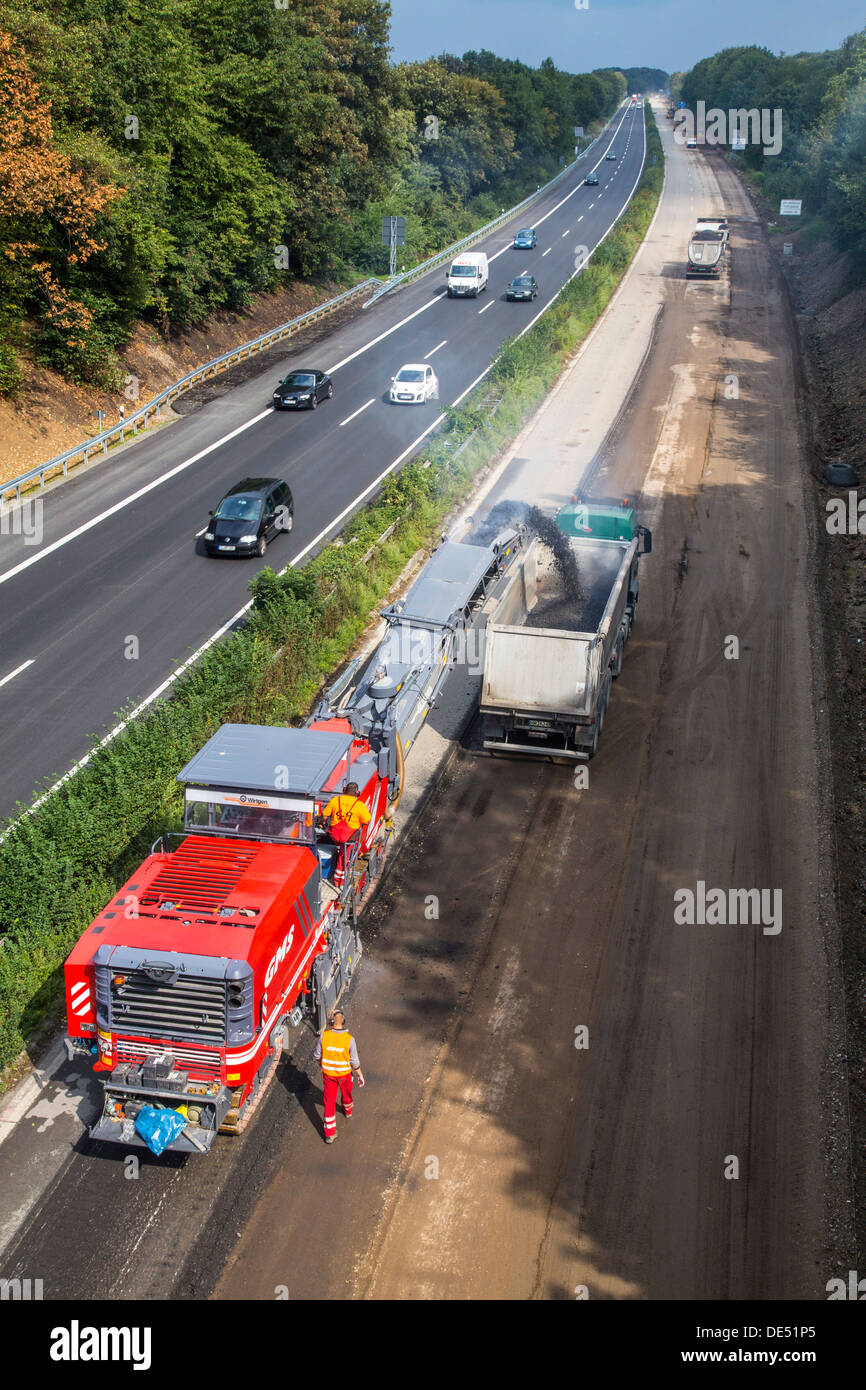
<point>10,371</point>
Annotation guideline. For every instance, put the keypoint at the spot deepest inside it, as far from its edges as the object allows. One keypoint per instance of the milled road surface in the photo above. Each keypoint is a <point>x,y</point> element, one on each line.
<point>489,1157</point>
<point>526,1167</point>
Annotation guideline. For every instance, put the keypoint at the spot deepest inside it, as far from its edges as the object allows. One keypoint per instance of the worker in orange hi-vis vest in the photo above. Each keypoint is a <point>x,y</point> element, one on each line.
<point>347,813</point>
<point>338,1053</point>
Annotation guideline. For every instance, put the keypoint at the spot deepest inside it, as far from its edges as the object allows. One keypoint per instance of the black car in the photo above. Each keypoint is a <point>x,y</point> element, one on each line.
<point>302,390</point>
<point>610,156</point>
<point>250,515</point>
<point>591,179</point>
<point>522,287</point>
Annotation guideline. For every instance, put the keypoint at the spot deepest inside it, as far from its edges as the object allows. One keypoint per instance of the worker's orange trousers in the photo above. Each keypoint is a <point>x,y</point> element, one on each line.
<point>331,1085</point>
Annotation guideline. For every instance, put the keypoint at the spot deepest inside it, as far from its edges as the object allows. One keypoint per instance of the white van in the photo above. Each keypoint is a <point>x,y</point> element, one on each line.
<point>468,274</point>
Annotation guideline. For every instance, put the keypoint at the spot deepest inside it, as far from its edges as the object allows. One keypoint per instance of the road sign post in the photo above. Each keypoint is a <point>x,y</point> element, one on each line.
<point>393,235</point>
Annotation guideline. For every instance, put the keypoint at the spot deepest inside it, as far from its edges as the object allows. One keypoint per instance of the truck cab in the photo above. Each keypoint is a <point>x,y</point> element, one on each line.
<point>183,986</point>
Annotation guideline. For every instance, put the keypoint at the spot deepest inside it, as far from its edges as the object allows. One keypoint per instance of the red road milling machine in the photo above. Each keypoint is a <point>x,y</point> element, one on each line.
<point>186,985</point>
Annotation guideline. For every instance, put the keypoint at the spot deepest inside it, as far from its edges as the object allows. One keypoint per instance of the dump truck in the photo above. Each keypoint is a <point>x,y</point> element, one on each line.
<point>714,222</point>
<point>706,249</point>
<point>554,642</point>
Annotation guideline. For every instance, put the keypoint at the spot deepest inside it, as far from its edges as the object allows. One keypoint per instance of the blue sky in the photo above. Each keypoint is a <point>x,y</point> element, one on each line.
<point>670,34</point>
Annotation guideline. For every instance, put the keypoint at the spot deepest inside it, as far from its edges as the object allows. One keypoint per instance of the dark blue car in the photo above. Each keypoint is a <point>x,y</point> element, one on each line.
<point>524,240</point>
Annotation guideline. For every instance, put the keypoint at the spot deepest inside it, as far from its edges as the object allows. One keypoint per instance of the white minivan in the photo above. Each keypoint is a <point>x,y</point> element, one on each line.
<point>468,274</point>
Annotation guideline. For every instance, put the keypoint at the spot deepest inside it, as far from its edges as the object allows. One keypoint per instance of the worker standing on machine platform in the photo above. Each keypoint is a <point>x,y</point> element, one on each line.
<point>338,1053</point>
<point>347,813</point>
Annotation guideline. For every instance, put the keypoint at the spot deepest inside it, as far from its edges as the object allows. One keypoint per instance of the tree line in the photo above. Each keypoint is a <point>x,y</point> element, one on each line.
<point>164,159</point>
<point>822,97</point>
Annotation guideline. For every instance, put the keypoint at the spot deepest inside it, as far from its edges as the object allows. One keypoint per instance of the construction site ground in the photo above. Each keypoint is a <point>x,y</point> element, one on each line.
<point>566,1088</point>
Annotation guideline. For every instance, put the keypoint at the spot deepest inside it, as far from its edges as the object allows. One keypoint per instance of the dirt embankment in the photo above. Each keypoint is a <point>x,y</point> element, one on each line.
<point>51,414</point>
<point>830,320</point>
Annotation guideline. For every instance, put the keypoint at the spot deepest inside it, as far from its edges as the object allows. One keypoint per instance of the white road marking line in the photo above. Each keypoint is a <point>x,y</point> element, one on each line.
<point>436,349</point>
<point>133,497</point>
<point>233,434</point>
<point>547,252</point>
<point>221,631</point>
<point>388,331</point>
<point>349,418</point>
<point>470,387</point>
<point>293,563</point>
<point>580,219</point>
<point>566,232</point>
<point>592,205</point>
<point>17,671</point>
<point>487,306</point>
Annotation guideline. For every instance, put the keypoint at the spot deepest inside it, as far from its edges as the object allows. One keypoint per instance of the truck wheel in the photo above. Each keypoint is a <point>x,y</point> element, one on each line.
<point>592,749</point>
<point>616,659</point>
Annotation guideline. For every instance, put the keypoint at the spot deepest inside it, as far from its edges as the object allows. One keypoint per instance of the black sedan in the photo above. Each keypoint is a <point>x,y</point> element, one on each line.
<point>591,179</point>
<point>522,287</point>
<point>252,513</point>
<point>302,390</point>
<point>610,156</point>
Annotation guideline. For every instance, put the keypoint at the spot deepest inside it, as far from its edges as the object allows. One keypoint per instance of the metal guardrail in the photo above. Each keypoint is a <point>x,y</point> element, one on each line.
<point>408,276</point>
<point>142,418</point>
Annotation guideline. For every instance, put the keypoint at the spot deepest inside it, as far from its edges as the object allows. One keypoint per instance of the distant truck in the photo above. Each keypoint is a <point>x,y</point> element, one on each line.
<point>550,655</point>
<point>706,248</point>
<point>716,222</point>
<point>468,274</point>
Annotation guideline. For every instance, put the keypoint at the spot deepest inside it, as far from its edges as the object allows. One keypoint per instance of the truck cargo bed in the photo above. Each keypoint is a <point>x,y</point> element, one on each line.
<point>598,567</point>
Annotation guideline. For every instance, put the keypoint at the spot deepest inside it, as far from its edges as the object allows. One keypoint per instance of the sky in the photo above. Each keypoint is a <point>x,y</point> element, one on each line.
<point>669,34</point>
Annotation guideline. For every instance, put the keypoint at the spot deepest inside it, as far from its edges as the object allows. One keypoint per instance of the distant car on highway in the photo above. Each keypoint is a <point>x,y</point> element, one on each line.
<point>302,390</point>
<point>522,287</point>
<point>524,240</point>
<point>414,384</point>
<point>252,513</point>
<point>591,179</point>
<point>610,155</point>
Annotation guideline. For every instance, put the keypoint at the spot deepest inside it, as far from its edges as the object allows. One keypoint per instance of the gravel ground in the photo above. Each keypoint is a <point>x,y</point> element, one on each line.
<point>833,350</point>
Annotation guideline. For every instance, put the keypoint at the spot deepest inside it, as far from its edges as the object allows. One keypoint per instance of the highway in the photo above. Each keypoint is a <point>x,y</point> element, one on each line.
<point>118,556</point>
<point>608,1168</point>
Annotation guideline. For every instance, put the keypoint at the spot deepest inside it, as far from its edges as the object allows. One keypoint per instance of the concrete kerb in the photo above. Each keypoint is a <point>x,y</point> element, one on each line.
<point>20,1097</point>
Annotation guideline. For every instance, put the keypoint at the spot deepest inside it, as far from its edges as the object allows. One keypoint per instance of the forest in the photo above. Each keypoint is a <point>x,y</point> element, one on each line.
<point>161,159</point>
<point>822,97</point>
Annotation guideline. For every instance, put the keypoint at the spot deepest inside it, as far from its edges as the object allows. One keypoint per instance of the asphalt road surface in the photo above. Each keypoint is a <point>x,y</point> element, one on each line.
<point>118,558</point>
<point>694,1148</point>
